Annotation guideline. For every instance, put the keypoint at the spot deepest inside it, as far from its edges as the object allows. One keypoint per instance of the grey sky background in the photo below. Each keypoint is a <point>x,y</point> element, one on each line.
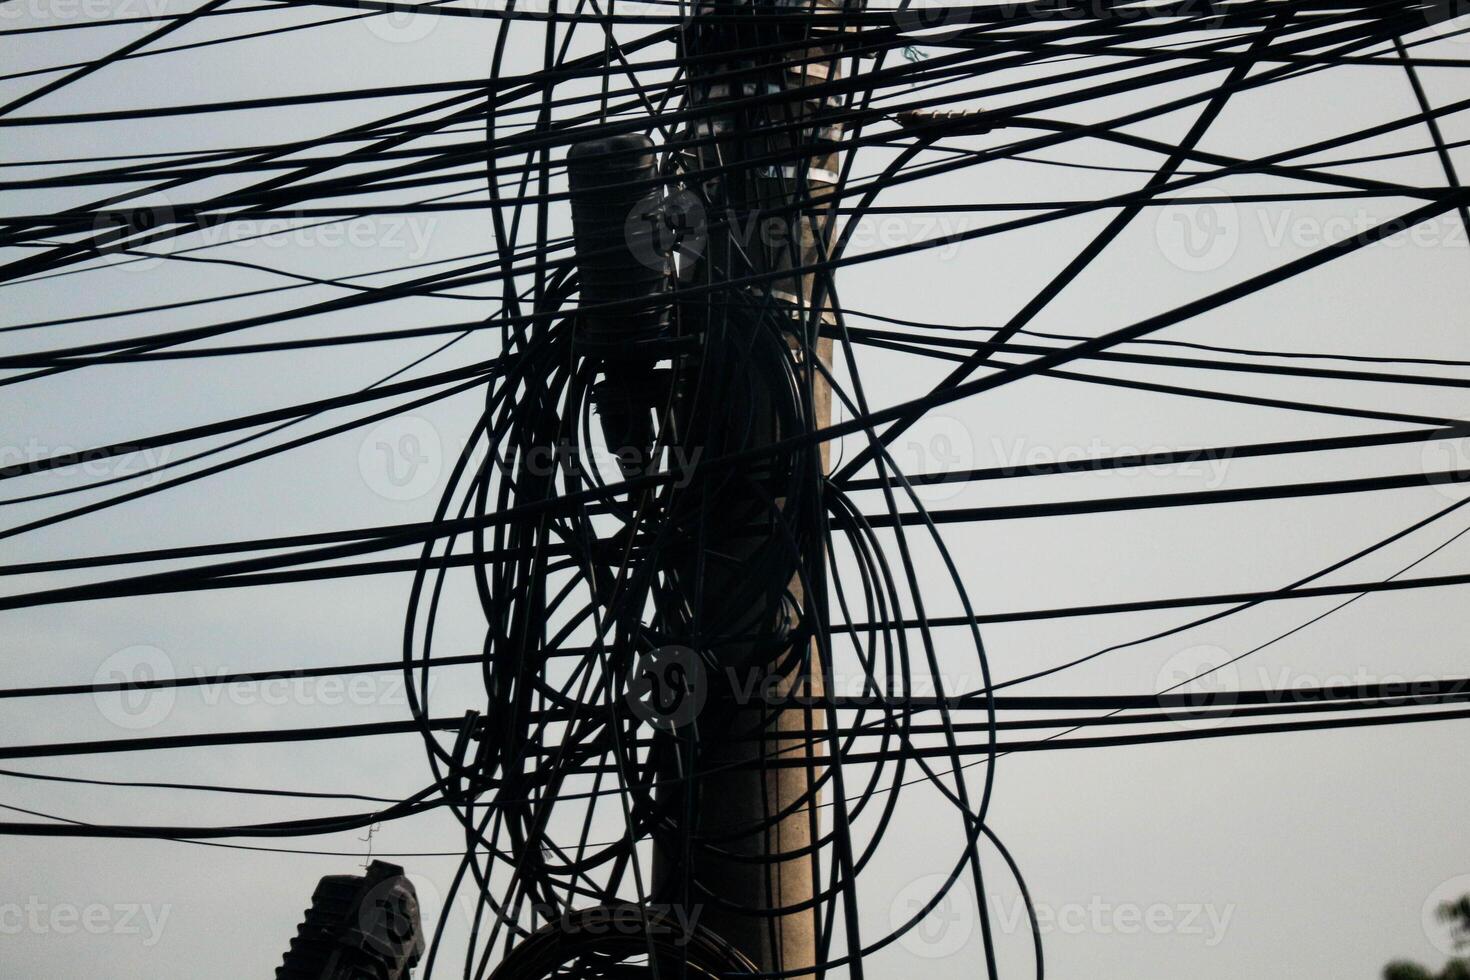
<point>1304,855</point>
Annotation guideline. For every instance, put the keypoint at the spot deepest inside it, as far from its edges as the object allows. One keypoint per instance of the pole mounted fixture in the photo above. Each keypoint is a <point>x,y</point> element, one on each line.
<point>359,927</point>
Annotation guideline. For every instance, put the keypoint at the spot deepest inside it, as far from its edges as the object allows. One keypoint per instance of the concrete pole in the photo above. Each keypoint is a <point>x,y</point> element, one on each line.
<point>729,859</point>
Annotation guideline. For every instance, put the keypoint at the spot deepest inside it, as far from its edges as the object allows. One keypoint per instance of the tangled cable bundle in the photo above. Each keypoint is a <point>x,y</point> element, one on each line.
<point>662,604</point>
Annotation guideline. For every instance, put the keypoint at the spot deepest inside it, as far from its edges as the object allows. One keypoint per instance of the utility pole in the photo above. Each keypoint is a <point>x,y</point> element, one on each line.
<point>727,370</point>
<point>751,825</point>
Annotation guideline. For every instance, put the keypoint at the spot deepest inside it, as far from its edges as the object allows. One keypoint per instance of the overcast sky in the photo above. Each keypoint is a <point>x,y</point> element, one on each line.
<point>1301,855</point>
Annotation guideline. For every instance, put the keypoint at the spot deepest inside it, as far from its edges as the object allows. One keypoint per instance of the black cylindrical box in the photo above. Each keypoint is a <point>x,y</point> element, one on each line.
<point>624,250</point>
